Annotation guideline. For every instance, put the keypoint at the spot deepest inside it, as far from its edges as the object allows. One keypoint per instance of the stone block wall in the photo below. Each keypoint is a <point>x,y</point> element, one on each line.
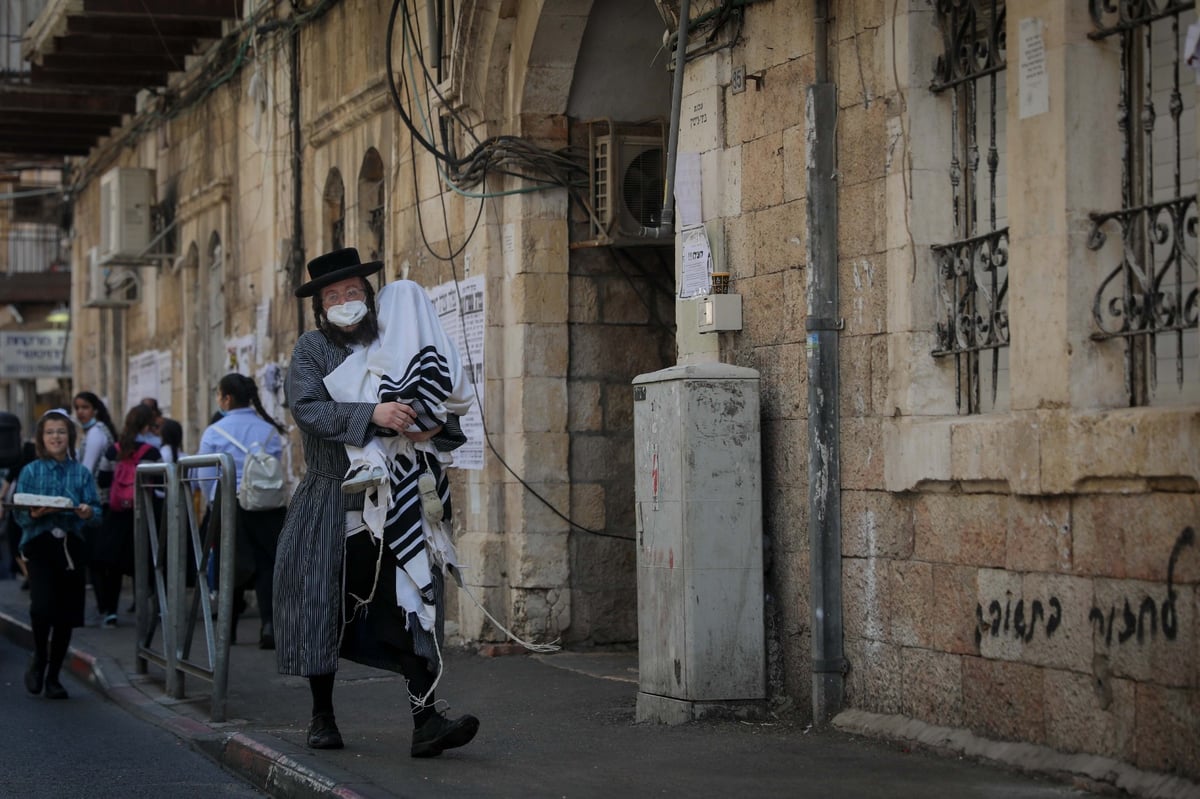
<point>1047,651</point>
<point>620,327</point>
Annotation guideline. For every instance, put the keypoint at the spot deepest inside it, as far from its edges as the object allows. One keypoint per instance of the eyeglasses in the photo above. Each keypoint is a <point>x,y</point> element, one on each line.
<point>330,298</point>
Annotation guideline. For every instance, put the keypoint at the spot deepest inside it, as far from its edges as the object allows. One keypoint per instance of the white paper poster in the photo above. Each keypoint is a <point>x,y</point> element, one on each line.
<point>695,263</point>
<point>166,381</point>
<point>239,355</point>
<point>464,321</point>
<point>141,381</point>
<point>1035,82</point>
<point>270,390</point>
<point>262,326</point>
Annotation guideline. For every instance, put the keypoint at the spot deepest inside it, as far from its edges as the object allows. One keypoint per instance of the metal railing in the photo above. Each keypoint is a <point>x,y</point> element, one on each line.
<point>34,249</point>
<point>166,533</point>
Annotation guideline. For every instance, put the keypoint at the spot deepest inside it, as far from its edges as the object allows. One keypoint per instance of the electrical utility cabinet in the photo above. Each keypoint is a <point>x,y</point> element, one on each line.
<point>701,649</point>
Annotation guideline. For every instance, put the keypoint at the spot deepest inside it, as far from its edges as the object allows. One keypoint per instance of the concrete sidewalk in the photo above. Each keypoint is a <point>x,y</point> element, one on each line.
<point>558,725</point>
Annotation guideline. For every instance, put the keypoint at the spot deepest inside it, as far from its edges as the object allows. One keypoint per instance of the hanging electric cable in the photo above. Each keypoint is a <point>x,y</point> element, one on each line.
<point>501,155</point>
<point>486,158</point>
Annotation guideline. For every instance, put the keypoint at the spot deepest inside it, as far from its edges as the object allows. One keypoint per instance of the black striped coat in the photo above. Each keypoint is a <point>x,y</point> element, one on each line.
<point>308,563</point>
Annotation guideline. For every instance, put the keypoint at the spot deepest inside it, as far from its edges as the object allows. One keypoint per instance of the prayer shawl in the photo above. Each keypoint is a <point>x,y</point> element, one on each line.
<point>412,361</point>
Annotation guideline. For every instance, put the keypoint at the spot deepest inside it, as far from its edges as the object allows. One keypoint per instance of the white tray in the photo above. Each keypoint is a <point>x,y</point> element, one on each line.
<point>41,501</point>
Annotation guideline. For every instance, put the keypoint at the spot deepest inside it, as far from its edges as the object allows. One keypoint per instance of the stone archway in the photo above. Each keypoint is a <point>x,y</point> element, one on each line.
<point>571,333</point>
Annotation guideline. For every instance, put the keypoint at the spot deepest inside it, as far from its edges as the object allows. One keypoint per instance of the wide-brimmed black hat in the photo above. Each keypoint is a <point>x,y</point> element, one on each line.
<point>334,266</point>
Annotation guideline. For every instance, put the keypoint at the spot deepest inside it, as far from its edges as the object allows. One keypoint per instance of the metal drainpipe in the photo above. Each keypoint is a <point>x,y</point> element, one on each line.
<point>297,185</point>
<point>822,325</point>
<point>666,222</point>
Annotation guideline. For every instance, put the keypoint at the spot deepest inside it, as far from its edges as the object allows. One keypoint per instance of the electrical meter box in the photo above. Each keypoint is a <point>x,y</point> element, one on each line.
<point>698,485</point>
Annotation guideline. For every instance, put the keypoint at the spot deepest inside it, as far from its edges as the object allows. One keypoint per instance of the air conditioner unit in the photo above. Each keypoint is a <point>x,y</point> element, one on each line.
<point>111,286</point>
<point>628,171</point>
<point>126,221</point>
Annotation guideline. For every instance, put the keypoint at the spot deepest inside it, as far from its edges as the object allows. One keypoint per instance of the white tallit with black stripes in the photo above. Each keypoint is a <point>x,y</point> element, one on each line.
<point>412,361</point>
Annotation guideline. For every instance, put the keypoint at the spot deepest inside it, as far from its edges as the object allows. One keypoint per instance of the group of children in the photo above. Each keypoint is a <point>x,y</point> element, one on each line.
<point>70,512</point>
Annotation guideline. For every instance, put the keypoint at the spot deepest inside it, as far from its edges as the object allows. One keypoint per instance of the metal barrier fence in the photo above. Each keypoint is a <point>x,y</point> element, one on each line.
<point>166,536</point>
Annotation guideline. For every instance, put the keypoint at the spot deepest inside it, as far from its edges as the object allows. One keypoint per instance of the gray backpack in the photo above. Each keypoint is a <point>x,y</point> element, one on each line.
<point>263,486</point>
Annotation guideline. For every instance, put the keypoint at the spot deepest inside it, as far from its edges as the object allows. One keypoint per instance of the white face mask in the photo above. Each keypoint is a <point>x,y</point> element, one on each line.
<point>347,314</point>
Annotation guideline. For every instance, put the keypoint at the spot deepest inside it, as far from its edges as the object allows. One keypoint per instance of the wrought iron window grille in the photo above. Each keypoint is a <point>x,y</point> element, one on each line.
<point>1149,298</point>
<point>974,40</point>
<point>1121,16</point>
<point>980,317</point>
<point>972,272</point>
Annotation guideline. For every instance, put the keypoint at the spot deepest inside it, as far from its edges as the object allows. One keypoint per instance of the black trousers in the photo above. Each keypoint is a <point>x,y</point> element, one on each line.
<point>377,634</point>
<point>56,585</point>
<point>256,539</point>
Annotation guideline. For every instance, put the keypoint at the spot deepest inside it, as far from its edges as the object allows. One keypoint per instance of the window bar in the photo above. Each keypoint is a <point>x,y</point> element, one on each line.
<point>1149,321</point>
<point>1176,115</point>
<point>960,213</point>
<point>1135,246</point>
<point>993,161</point>
<point>972,230</point>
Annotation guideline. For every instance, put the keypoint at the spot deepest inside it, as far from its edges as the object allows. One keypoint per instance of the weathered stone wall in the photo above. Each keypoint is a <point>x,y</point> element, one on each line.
<point>1028,575</point>
<point>621,310</point>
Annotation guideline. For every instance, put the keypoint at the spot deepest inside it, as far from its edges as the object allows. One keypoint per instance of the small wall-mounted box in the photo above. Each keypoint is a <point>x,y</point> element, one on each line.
<point>717,312</point>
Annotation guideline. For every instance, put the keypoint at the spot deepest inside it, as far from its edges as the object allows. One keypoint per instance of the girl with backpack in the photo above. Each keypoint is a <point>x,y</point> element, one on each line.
<point>255,441</point>
<point>98,430</point>
<point>112,557</point>
<point>60,499</point>
<point>99,433</point>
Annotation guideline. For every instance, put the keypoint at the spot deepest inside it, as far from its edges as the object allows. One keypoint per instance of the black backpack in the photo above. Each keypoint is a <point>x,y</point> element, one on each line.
<point>10,440</point>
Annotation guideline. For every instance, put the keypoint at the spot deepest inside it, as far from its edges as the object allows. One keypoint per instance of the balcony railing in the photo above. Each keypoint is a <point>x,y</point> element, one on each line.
<point>32,249</point>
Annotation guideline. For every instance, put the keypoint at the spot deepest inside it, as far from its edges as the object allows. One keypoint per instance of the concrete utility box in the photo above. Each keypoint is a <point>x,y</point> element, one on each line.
<point>699,536</point>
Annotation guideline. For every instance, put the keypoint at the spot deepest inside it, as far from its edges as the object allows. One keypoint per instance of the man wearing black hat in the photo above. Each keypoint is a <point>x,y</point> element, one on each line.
<point>312,554</point>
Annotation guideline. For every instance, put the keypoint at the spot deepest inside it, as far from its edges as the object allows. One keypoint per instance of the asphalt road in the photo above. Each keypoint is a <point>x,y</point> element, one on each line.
<point>86,746</point>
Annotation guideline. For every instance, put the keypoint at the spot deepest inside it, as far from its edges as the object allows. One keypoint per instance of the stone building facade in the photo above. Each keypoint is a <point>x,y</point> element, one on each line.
<point>1015,250</point>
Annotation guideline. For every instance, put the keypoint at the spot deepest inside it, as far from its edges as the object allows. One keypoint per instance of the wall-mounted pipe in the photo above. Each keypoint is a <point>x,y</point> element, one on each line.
<point>297,180</point>
<point>666,220</point>
<point>822,324</point>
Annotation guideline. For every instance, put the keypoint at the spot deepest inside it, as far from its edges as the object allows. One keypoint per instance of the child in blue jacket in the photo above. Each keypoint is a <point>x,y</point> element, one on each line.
<point>52,545</point>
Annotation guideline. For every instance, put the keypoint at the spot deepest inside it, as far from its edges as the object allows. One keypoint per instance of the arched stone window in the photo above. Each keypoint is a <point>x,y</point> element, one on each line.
<point>371,207</point>
<point>334,211</point>
<point>215,303</point>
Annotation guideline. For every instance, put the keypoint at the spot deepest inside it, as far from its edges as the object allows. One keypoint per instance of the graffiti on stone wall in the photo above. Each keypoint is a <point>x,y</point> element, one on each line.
<point>1127,623</point>
<point>1137,619</point>
<point>1009,619</point>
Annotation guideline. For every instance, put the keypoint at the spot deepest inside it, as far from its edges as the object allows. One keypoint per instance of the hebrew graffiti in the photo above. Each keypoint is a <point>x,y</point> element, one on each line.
<point>1010,620</point>
<point>1130,624</point>
<point>1138,619</point>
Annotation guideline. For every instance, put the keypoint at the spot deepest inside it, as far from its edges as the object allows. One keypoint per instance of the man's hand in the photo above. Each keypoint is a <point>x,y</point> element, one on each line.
<point>84,511</point>
<point>394,416</point>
